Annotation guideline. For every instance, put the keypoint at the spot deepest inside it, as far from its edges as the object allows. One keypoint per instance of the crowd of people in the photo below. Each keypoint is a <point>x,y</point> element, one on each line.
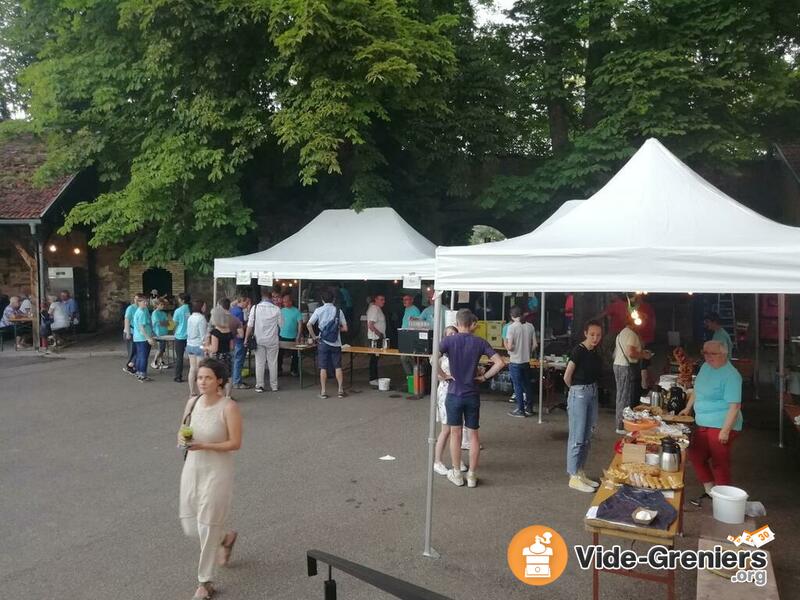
<point>57,315</point>
<point>217,340</point>
<point>715,399</point>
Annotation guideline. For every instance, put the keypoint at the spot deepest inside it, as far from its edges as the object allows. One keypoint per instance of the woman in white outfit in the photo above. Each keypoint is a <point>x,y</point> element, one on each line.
<point>207,479</point>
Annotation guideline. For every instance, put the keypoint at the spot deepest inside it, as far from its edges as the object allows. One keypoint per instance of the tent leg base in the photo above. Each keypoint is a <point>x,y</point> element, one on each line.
<point>431,553</point>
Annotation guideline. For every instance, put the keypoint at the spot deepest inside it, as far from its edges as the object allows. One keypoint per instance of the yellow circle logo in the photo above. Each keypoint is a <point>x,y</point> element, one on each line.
<point>537,555</point>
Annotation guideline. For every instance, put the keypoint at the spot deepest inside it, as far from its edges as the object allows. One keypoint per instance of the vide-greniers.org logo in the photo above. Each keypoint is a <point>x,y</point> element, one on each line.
<point>750,563</point>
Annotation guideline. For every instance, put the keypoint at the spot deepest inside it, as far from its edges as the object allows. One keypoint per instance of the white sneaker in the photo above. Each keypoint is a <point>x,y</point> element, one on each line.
<point>440,468</point>
<point>455,477</point>
<point>472,479</point>
<point>153,365</point>
<point>463,467</point>
<point>621,432</point>
<point>587,481</point>
<point>576,483</point>
<point>373,382</point>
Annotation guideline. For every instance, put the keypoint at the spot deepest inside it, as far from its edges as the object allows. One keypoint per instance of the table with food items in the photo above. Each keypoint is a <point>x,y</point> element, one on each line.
<point>641,494</point>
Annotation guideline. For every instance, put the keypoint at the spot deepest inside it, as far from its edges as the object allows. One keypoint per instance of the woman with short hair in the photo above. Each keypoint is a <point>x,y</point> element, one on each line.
<point>717,401</point>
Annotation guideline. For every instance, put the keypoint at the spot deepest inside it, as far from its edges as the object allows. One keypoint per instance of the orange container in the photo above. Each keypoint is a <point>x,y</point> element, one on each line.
<point>640,425</point>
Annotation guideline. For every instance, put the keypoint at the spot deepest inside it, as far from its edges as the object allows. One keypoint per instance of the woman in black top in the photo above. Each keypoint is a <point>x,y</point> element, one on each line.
<point>582,374</point>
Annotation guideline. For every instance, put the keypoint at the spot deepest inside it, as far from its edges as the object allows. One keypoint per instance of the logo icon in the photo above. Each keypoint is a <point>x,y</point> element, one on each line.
<point>537,555</point>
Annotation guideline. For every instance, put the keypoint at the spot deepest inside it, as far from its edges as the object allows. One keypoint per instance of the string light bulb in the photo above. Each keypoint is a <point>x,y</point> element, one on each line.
<point>77,251</point>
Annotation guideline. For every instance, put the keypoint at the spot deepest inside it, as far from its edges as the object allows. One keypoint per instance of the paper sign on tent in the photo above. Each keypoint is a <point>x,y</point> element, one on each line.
<point>265,278</point>
<point>412,281</point>
<point>243,278</point>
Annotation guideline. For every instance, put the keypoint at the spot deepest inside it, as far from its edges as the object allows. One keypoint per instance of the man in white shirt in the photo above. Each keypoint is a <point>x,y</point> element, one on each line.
<point>376,330</point>
<point>331,322</point>
<point>265,321</point>
<point>520,342</point>
<point>628,351</point>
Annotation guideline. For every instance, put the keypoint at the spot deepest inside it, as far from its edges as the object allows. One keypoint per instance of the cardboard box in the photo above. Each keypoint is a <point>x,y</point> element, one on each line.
<point>633,453</point>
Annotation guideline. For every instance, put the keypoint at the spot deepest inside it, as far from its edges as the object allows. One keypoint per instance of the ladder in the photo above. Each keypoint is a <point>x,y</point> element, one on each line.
<point>727,315</point>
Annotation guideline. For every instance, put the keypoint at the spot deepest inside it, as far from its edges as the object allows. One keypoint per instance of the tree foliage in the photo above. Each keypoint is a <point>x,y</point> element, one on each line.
<point>717,81</point>
<point>215,123</point>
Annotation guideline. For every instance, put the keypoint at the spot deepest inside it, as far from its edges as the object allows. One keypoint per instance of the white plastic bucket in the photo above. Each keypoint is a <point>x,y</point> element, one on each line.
<point>729,503</point>
<point>384,384</point>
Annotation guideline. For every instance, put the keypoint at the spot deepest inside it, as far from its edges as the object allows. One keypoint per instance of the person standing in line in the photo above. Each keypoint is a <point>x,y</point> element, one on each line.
<point>159,322</point>
<point>264,323</point>
<point>376,331</point>
<point>521,344</point>
<point>290,332</point>
<point>196,330</point>
<point>627,372</point>
<point>71,307</point>
<point>181,317</point>
<point>331,322</point>
<point>143,339</point>
<point>441,413</point>
<point>221,338</point>
<point>462,404</point>
<point>206,488</point>
<point>239,309</point>
<point>719,334</point>
<point>410,311</point>
<point>583,372</point>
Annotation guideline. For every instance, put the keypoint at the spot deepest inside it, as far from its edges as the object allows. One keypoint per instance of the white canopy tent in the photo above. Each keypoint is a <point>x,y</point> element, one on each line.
<point>375,243</point>
<point>655,226</point>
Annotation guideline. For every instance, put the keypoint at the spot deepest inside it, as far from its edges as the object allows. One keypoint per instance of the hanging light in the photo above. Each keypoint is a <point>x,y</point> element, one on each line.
<point>637,322</point>
<point>291,285</point>
<point>295,280</point>
<point>635,314</point>
<point>395,281</point>
<point>52,248</point>
<point>691,293</point>
<point>76,250</point>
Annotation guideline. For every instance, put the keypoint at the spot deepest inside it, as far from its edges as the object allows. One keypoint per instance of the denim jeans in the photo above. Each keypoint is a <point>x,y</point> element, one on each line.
<point>239,353</point>
<point>582,414</point>
<point>521,378</point>
<point>142,354</point>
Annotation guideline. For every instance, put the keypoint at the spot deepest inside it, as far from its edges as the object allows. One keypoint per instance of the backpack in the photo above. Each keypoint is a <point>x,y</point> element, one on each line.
<point>330,333</point>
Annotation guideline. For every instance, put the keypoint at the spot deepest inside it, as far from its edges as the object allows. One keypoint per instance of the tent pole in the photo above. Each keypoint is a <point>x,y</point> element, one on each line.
<point>300,296</point>
<point>484,306</point>
<point>757,344</point>
<point>541,359</point>
<point>214,294</point>
<point>452,300</point>
<point>437,334</point>
<point>781,363</point>
<point>503,310</point>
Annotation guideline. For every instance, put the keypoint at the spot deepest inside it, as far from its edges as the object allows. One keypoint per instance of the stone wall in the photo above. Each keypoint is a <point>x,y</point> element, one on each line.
<point>14,273</point>
<point>113,289</point>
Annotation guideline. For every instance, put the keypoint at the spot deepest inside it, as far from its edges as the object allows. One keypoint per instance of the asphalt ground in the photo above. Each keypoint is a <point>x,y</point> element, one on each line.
<point>89,476</point>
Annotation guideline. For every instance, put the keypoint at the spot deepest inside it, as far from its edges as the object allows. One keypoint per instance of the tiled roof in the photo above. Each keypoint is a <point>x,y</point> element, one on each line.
<point>791,153</point>
<point>20,198</point>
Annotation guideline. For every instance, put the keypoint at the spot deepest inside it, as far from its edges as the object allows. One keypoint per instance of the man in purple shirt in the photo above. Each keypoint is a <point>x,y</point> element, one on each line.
<point>463,402</point>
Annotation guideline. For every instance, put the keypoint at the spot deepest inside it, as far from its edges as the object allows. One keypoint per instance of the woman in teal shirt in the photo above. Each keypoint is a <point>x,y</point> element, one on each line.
<point>160,328</point>
<point>716,400</point>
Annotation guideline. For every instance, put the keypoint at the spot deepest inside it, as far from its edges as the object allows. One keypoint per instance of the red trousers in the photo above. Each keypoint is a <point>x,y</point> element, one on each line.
<point>710,459</point>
